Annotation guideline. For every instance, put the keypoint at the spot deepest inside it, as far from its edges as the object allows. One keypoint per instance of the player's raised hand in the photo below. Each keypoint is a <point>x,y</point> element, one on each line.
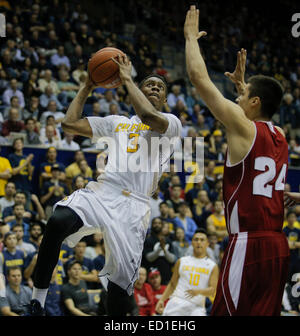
<point>124,67</point>
<point>238,76</point>
<point>291,199</point>
<point>191,25</point>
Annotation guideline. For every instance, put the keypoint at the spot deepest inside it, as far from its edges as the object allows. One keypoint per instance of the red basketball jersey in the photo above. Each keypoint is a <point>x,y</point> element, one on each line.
<point>253,188</point>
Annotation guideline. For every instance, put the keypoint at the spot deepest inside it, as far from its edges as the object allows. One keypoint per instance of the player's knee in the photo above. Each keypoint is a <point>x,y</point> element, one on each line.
<point>58,222</point>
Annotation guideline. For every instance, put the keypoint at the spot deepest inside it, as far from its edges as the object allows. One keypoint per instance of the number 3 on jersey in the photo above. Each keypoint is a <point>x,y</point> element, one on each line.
<point>261,182</point>
<point>133,144</point>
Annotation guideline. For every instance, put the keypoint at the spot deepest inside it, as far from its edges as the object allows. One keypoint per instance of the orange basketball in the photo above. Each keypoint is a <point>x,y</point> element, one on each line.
<point>103,70</point>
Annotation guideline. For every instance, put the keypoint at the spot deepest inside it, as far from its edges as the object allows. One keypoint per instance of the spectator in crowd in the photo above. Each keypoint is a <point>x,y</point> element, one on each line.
<point>174,96</point>
<point>35,232</point>
<point>11,256</point>
<point>12,124</point>
<point>164,210</point>
<point>32,137</point>
<point>95,246</point>
<point>74,293</point>
<point>175,199</point>
<point>27,248</point>
<point>106,101</point>
<point>50,121</point>
<point>53,306</point>
<point>180,244</point>
<point>50,139</point>
<point>17,296</point>
<point>18,212</point>
<point>158,289</point>
<point>155,201</point>
<point>73,169</point>
<point>84,170</point>
<point>158,251</point>
<point>29,215</point>
<point>69,143</point>
<point>14,103</point>
<point>99,261</point>
<point>33,108</point>
<point>8,198</point>
<point>30,262</point>
<point>67,89</point>
<point>45,168</point>
<point>293,237</point>
<point>47,97</point>
<point>78,183</point>
<point>52,110</point>
<point>53,190</point>
<point>143,294</point>
<point>46,81</point>
<point>186,223</point>
<point>89,273</point>
<point>213,250</point>
<point>202,208</point>
<point>60,58</point>
<point>5,175</point>
<point>13,91</point>
<point>22,168</point>
<point>80,70</point>
<point>216,222</point>
<point>159,69</point>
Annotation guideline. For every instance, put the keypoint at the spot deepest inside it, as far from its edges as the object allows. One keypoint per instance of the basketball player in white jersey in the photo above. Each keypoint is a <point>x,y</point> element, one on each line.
<point>118,203</point>
<point>194,278</point>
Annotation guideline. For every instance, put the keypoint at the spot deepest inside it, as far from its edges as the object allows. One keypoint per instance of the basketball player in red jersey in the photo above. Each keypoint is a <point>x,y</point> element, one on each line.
<point>255,265</point>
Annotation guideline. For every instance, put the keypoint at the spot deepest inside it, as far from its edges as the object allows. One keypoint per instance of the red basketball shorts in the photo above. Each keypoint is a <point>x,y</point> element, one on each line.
<point>253,274</point>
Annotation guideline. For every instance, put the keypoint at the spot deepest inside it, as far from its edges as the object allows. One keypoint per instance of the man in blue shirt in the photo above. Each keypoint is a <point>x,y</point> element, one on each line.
<point>186,223</point>
<point>89,273</point>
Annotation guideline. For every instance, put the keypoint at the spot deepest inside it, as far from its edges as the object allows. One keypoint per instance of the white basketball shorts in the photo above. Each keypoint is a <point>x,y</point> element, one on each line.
<point>123,218</point>
<point>181,307</point>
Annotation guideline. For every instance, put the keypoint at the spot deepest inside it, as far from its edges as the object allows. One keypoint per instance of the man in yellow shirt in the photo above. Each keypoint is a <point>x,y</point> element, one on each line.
<point>5,173</point>
<point>216,222</point>
<point>73,169</point>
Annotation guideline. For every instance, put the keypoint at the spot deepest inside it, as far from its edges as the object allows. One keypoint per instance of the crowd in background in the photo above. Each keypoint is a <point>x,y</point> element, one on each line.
<point>43,64</point>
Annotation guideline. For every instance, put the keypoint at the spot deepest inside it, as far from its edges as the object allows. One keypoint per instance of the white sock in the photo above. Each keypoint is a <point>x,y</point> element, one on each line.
<point>40,294</point>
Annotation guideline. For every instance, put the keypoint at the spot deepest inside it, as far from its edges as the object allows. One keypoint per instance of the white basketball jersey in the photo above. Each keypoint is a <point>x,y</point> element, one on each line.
<point>194,273</point>
<point>135,159</point>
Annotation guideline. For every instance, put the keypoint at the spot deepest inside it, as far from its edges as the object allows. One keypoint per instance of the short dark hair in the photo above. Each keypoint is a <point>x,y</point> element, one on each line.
<point>74,262</point>
<point>13,268</point>
<point>28,119</point>
<point>14,142</point>
<point>270,92</point>
<point>200,230</point>
<point>157,76</point>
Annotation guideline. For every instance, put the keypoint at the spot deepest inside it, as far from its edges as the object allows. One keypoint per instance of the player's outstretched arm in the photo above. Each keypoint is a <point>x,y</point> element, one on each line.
<point>142,106</point>
<point>291,199</point>
<point>73,123</point>
<point>230,114</point>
